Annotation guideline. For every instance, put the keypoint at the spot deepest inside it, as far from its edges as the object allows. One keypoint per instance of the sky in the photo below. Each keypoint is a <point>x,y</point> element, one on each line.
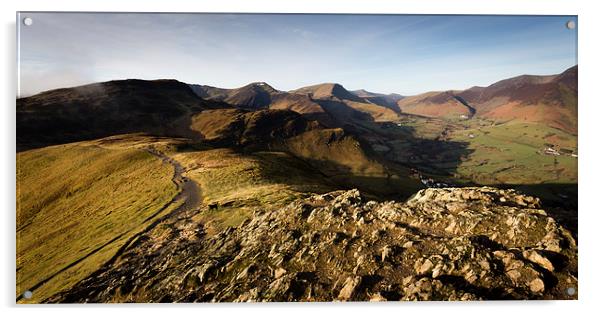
<point>405,54</point>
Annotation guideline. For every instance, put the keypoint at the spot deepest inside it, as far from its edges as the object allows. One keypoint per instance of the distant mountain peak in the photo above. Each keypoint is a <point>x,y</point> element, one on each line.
<point>328,90</point>
<point>261,85</point>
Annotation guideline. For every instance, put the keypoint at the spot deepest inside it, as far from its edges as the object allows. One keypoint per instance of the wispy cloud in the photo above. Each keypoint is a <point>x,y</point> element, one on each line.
<point>404,54</point>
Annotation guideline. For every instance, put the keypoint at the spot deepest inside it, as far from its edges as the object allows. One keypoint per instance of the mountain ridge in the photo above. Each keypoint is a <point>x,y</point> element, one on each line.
<point>106,108</point>
<point>550,99</point>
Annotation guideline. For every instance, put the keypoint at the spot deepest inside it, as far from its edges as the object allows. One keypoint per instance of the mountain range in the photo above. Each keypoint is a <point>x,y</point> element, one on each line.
<point>258,116</point>
<point>551,100</point>
<point>165,106</point>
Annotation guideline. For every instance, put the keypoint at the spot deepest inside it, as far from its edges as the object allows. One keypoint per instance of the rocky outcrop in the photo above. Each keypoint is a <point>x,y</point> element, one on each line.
<point>441,244</point>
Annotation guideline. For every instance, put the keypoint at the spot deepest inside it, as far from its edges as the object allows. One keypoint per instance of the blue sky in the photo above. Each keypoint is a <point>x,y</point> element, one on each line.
<point>381,53</point>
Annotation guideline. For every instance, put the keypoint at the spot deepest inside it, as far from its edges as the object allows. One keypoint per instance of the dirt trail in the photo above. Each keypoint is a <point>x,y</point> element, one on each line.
<point>188,192</point>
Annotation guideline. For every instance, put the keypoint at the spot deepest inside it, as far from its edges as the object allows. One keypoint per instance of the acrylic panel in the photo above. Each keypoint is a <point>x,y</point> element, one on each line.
<point>189,157</point>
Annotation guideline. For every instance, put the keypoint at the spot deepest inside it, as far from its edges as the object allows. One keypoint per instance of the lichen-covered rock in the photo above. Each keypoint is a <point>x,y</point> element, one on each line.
<point>441,244</point>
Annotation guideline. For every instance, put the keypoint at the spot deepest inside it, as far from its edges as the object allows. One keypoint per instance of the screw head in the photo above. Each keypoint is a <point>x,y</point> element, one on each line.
<point>570,25</point>
<point>570,291</point>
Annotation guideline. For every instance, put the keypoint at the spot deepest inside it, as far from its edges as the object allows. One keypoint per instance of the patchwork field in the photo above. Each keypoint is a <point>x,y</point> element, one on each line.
<point>532,157</point>
<point>514,153</point>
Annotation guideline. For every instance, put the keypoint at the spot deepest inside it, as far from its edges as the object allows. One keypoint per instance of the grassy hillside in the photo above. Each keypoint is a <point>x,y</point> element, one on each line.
<point>243,183</point>
<point>81,202</point>
<point>434,104</point>
<point>240,128</point>
<point>350,163</point>
<point>377,112</point>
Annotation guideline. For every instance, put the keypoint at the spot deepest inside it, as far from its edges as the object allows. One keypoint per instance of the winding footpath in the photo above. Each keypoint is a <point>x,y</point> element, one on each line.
<point>188,196</point>
<point>188,193</point>
<point>189,190</point>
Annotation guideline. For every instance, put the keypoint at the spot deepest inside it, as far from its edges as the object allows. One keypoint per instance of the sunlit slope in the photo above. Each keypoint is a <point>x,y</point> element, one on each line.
<point>547,100</point>
<point>80,201</point>
<point>434,104</point>
<point>239,184</point>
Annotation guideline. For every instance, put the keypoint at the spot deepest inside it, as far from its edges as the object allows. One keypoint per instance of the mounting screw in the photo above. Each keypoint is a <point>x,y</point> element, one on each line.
<point>570,291</point>
<point>570,25</point>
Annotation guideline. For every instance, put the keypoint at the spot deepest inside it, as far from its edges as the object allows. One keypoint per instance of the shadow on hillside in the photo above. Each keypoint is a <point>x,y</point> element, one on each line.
<point>434,156</point>
<point>397,181</point>
<point>342,111</point>
<point>403,155</point>
<point>36,130</point>
<point>321,175</point>
<point>280,167</point>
